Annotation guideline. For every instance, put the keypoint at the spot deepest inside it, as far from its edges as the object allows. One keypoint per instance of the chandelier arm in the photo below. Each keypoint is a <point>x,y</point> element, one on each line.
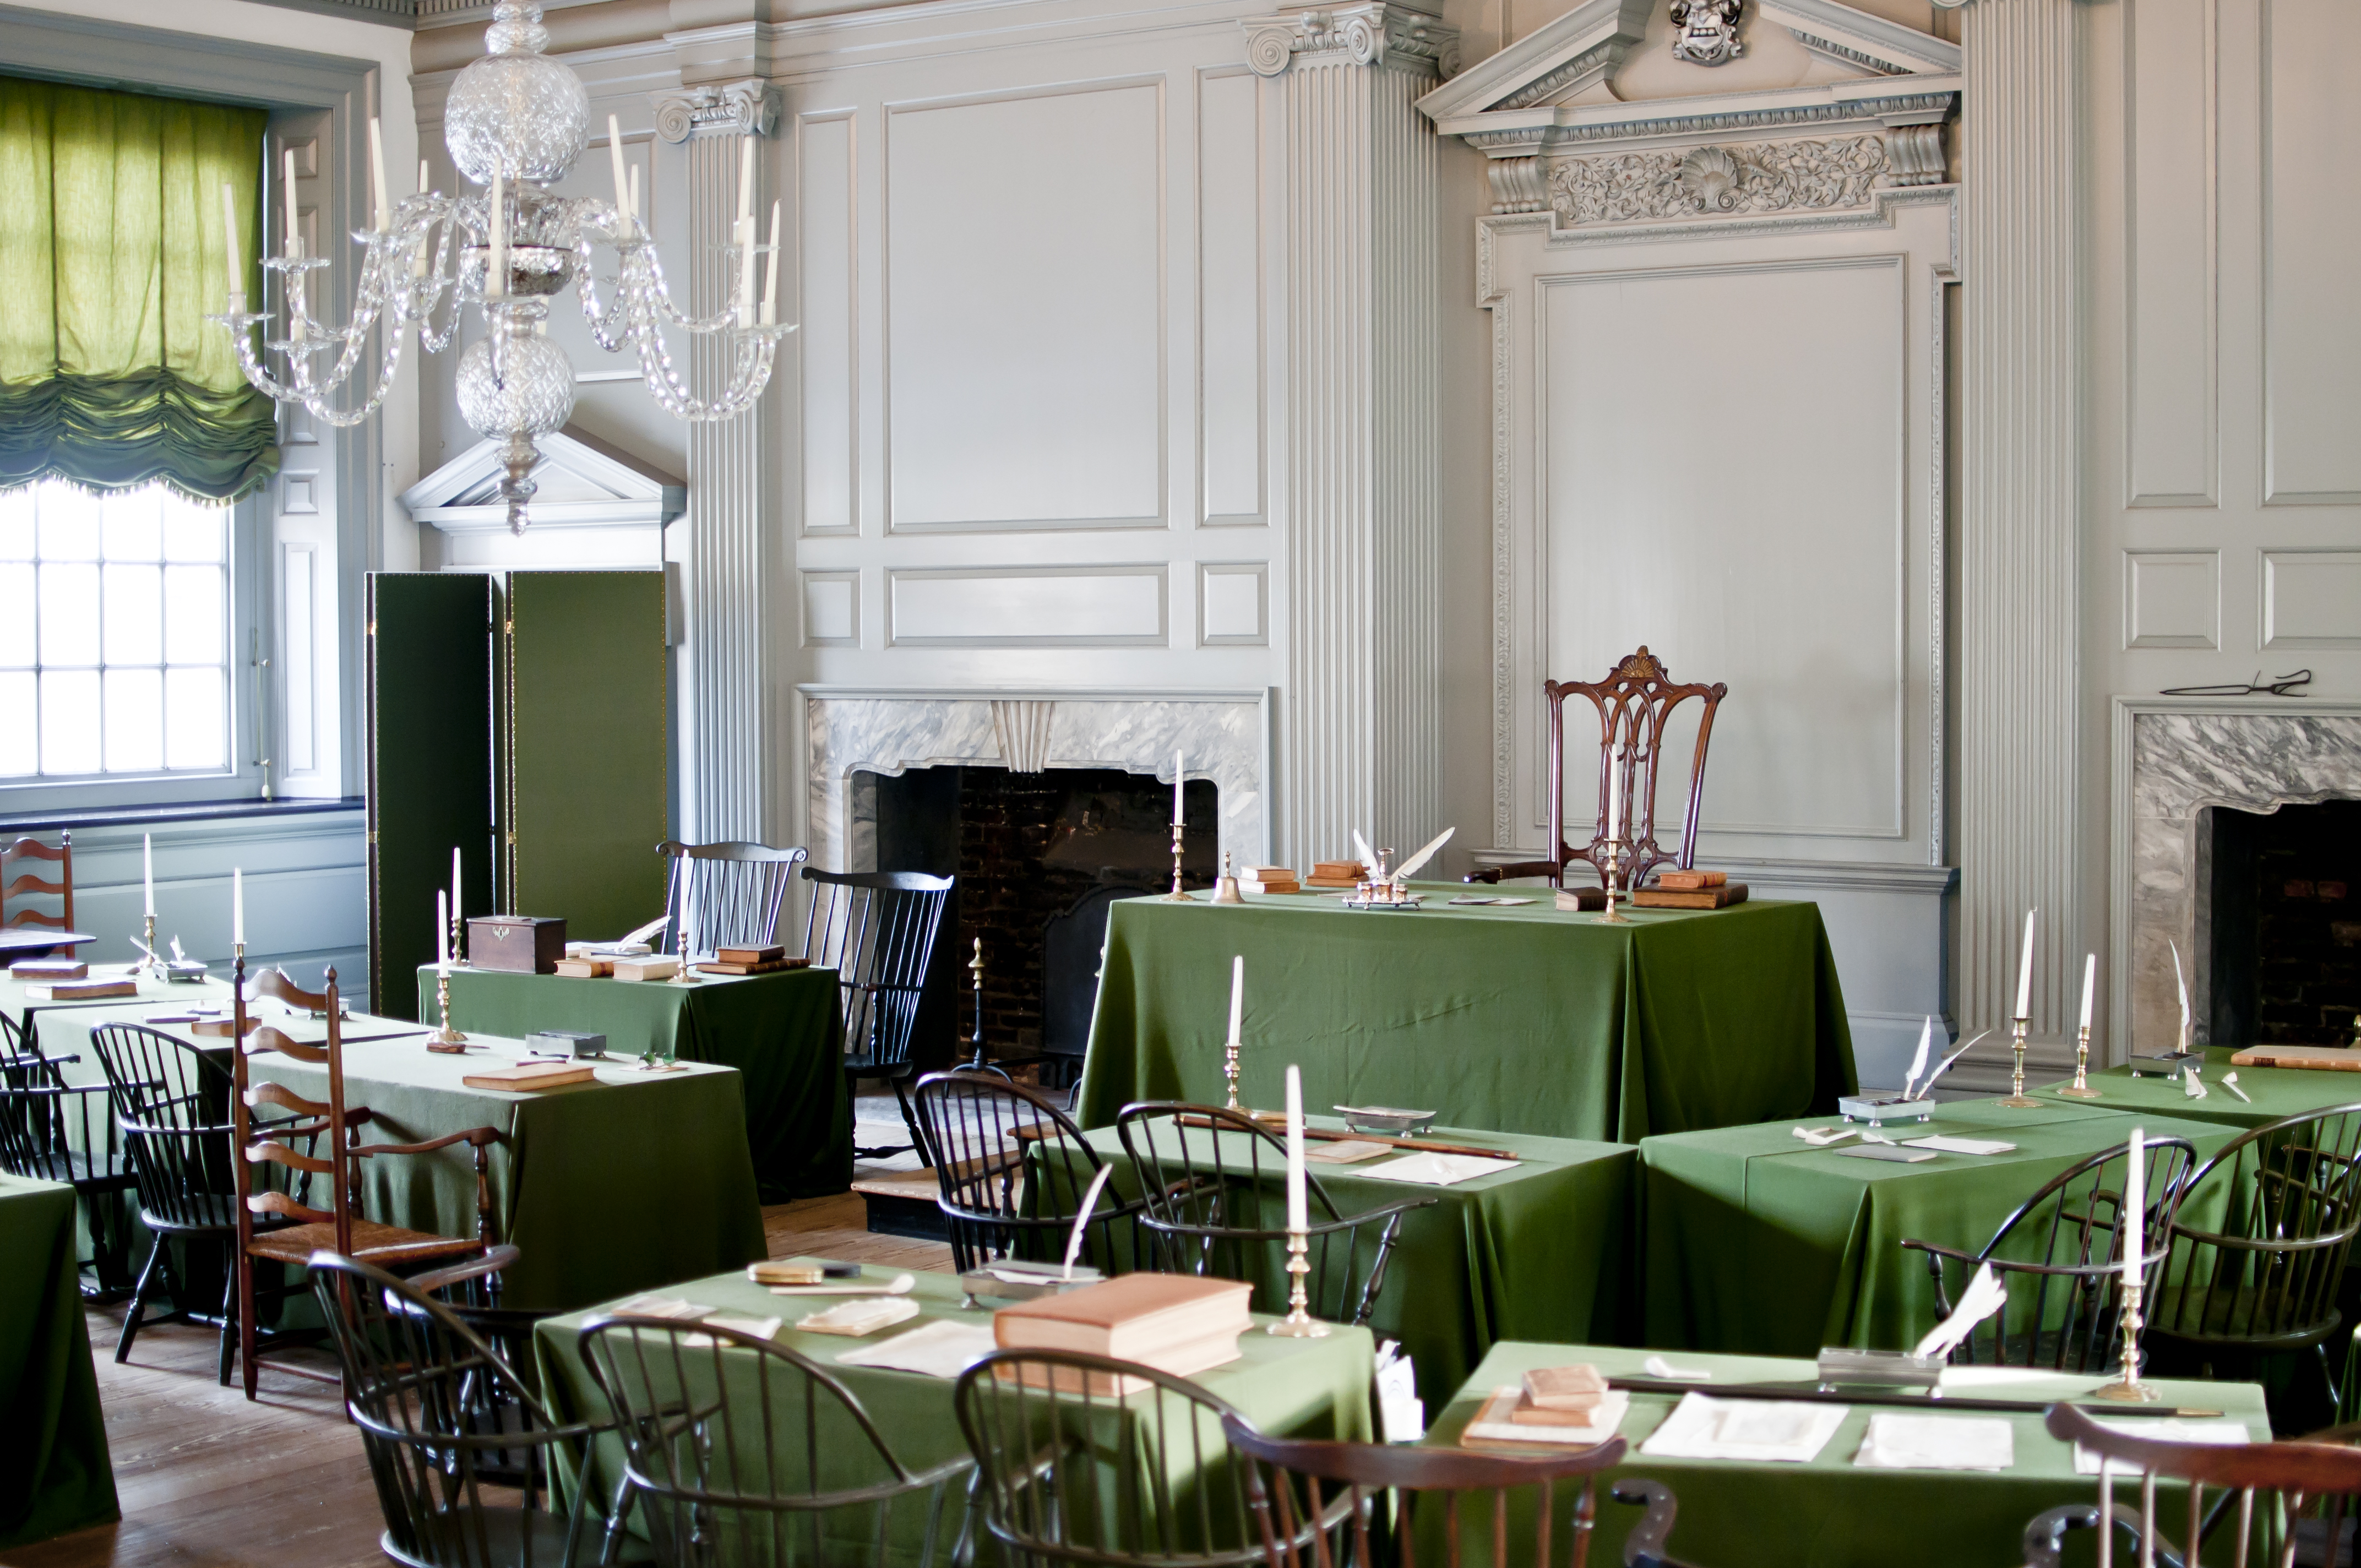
<point>659,296</point>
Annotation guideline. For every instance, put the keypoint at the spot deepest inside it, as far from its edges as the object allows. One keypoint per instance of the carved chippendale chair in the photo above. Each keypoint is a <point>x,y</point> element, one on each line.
<point>1635,702</point>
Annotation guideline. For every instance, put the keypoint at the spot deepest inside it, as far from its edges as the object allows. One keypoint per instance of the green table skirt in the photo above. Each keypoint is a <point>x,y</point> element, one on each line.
<point>1754,1242</point>
<point>1829,1513</point>
<point>55,1475</point>
<point>1537,1253</point>
<point>782,1032</point>
<point>2272,1093</point>
<point>1525,1019</point>
<point>1316,1388</point>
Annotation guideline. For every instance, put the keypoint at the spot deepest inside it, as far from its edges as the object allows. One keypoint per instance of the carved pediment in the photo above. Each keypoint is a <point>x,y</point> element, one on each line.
<point>1552,64</point>
<point>584,483</point>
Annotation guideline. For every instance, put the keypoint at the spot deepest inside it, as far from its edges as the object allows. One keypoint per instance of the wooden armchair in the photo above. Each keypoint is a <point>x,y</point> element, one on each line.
<point>25,884</point>
<point>1633,702</point>
<point>290,1143</point>
<point>735,889</point>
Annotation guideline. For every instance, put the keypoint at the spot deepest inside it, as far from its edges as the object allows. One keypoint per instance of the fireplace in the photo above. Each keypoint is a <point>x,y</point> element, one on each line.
<point>2283,924</point>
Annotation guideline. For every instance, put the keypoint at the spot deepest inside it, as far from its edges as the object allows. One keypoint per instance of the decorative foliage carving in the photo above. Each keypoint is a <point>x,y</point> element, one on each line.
<point>1766,177</point>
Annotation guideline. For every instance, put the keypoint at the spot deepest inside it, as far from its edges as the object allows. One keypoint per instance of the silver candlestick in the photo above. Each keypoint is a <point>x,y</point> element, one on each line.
<point>1178,895</point>
<point>1299,1324</point>
<point>2127,1389</point>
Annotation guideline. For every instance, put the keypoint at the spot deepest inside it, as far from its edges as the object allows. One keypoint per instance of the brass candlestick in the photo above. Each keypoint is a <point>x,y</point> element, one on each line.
<point>1299,1324</point>
<point>1230,1074</point>
<point>1177,895</point>
<point>457,960</point>
<point>2018,1098</point>
<point>2128,1389</point>
<point>150,962</point>
<point>1614,867</point>
<point>446,1036</point>
<point>2081,1088</point>
<point>683,976</point>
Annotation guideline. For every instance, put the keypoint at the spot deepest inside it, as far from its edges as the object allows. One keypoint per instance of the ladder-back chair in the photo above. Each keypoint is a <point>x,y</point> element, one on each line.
<point>54,1131</point>
<point>17,885</point>
<point>339,1227</point>
<point>735,892</point>
<point>981,1133</point>
<point>2279,1504</point>
<point>877,930</point>
<point>1633,703</point>
<point>1211,1182</point>
<point>2059,1257</point>
<point>2266,1283</point>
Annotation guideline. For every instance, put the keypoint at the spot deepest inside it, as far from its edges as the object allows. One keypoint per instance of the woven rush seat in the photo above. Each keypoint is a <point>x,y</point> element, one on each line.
<point>385,1246</point>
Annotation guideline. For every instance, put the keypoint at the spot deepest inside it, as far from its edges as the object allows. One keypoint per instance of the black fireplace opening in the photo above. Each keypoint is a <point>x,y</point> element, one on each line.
<point>2284,925</point>
<point>1039,857</point>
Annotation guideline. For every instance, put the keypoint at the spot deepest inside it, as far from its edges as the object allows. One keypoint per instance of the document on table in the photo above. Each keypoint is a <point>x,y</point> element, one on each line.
<point>1344,1151</point>
<point>1701,1427</point>
<point>1430,1169</point>
<point>1961,1146</point>
<point>1896,1441</point>
<point>2164,1429</point>
<point>939,1349</point>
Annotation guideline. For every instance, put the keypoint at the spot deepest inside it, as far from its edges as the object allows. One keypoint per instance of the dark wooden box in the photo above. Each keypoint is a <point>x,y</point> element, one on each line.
<point>523,943</point>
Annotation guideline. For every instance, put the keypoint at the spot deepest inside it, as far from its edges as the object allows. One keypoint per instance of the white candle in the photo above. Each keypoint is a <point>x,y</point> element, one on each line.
<point>680,920</point>
<point>422,177</point>
<point>770,273</point>
<point>1179,772</point>
<point>635,196</point>
<point>425,240</point>
<point>622,188</point>
<point>495,274</point>
<point>148,871</point>
<point>292,241</point>
<point>442,931</point>
<point>1237,993</point>
<point>1295,1211</point>
<point>237,906</point>
<point>746,182</point>
<point>2090,984</point>
<point>456,908</point>
<point>231,266</point>
<point>377,176</point>
<point>745,273</point>
<point>2025,972</point>
<point>2134,1214</point>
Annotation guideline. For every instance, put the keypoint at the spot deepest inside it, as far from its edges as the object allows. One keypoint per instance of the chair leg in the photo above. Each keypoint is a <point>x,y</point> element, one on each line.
<point>231,1318</point>
<point>910,1121</point>
<point>140,1300</point>
<point>242,1270</point>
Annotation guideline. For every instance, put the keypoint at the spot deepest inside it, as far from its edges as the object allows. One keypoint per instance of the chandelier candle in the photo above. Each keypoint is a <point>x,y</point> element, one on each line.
<point>377,175</point>
<point>771,271</point>
<point>615,157</point>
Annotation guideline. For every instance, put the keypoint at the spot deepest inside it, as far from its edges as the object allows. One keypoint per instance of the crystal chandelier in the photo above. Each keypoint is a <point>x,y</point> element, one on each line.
<point>517,120</point>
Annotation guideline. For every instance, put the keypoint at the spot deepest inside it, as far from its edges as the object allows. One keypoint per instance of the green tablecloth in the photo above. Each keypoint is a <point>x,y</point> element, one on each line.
<point>1831,1513</point>
<point>1525,1019</point>
<point>54,1472</point>
<point>1316,1387</point>
<point>605,1188</point>
<point>1535,1253</point>
<point>16,998</point>
<point>783,1032</point>
<point>2274,1091</point>
<point>1754,1242</point>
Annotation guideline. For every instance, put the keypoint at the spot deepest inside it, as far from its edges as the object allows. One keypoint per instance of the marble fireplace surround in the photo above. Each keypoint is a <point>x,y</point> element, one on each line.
<point>2173,757</point>
<point>846,729</point>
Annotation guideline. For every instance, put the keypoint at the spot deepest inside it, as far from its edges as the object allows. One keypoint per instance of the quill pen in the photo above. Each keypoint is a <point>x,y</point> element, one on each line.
<point>1083,1216</point>
<point>1369,856</point>
<point>1919,1061</point>
<point>1402,872</point>
<point>1984,1296</point>
<point>2182,981</point>
<point>1927,1087</point>
<point>643,932</point>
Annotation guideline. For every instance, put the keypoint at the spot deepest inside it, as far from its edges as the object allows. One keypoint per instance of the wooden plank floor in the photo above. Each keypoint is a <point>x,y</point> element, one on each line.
<point>209,1481</point>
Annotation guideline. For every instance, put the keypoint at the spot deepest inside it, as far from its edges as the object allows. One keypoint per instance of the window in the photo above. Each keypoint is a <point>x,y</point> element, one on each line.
<point>114,635</point>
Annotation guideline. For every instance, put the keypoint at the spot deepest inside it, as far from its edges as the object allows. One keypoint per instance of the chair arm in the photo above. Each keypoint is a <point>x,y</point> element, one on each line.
<point>1645,1546</point>
<point>1937,1250</point>
<point>492,1262</point>
<point>2045,1533</point>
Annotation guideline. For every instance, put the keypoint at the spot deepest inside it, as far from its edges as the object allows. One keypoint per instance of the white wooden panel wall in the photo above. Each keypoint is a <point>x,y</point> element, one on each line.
<point>2312,345</point>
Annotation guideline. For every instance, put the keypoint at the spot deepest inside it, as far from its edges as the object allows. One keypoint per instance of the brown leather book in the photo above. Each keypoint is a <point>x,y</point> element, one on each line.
<point>1576,1387</point>
<point>763,955</point>
<point>527,1077</point>
<point>655,967</point>
<point>1720,897</point>
<point>1689,881</point>
<point>1134,1317</point>
<point>586,968</point>
<point>48,969</point>
<point>734,965</point>
<point>2319,1058</point>
<point>1179,1360</point>
<point>81,990</point>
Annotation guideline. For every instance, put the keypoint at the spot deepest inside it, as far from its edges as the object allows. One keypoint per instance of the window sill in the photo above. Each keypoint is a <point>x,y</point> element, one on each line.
<point>194,811</point>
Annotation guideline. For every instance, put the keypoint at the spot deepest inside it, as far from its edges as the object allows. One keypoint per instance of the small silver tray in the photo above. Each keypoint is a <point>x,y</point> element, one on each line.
<point>1881,1109</point>
<point>187,970</point>
<point>1879,1368</point>
<point>1383,1118</point>
<point>1043,1279</point>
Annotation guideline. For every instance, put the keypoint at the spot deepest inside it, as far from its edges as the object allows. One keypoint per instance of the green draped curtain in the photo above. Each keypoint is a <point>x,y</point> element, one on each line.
<point>111,255</point>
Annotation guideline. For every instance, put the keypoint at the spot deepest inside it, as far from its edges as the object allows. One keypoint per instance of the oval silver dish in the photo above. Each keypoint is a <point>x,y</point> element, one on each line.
<point>1383,1118</point>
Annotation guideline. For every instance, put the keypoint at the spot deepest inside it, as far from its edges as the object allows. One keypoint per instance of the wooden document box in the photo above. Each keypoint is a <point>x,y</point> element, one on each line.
<point>521,944</point>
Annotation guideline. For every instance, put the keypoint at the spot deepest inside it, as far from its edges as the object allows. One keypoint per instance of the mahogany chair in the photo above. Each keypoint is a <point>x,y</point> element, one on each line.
<point>2060,1258</point>
<point>877,931</point>
<point>2276,1503</point>
<point>1400,1503</point>
<point>339,1227</point>
<point>740,1453</point>
<point>54,1131</point>
<point>2266,1284</point>
<point>27,884</point>
<point>1633,703</point>
<point>735,890</point>
<point>1209,1208</point>
<point>981,1133</point>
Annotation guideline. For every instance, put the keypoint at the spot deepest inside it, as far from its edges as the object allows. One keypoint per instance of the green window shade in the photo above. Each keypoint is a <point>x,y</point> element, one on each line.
<point>111,257</point>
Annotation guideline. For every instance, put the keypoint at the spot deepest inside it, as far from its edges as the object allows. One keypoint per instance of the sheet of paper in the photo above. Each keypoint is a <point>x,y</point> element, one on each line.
<point>1430,1169</point>
<point>942,1348</point>
<point>1960,1146</point>
<point>1898,1442</point>
<point>1343,1153</point>
<point>1973,1379</point>
<point>1895,1152</point>
<point>2167,1429</point>
<point>859,1317</point>
<point>761,1327</point>
<point>1758,1430</point>
<point>660,1307</point>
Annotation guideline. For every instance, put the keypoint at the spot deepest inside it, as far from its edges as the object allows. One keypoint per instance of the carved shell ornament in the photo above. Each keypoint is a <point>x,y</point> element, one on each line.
<point>1710,177</point>
<point>1705,32</point>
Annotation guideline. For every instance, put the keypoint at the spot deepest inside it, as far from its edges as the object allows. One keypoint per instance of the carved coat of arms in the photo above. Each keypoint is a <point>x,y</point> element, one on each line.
<point>1705,32</point>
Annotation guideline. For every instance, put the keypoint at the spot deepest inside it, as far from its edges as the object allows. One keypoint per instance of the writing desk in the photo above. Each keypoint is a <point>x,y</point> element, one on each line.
<point>2275,1092</point>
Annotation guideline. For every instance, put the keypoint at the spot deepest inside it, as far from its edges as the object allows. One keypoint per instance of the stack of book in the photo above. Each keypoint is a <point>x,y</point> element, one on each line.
<point>1176,1324</point>
<point>1690,890</point>
<point>752,960</point>
<point>1270,879</point>
<point>48,969</point>
<point>1564,1406</point>
<point>1346,874</point>
<point>585,967</point>
<point>81,989</point>
<point>655,966</point>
